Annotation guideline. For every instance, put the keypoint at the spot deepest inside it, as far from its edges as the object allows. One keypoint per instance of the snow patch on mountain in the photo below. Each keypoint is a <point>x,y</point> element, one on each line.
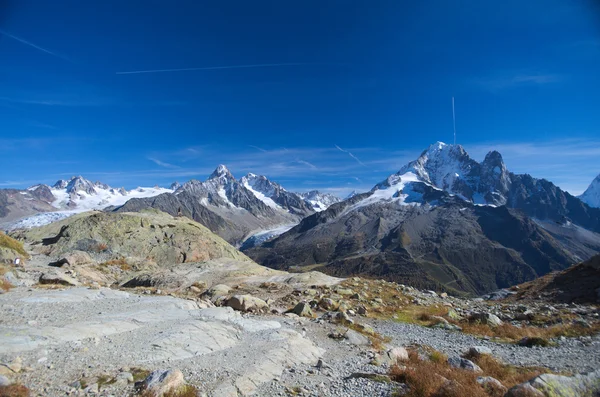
<point>319,201</point>
<point>262,188</point>
<point>396,188</point>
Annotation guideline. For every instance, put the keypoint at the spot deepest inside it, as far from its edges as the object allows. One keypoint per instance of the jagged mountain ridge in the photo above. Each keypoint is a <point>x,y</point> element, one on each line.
<point>235,210</point>
<point>450,168</point>
<point>591,196</point>
<point>319,201</point>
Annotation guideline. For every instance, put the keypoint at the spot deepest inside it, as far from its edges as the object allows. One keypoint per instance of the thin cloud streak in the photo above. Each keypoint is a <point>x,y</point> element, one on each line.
<point>37,47</point>
<point>258,148</point>
<point>259,65</point>
<point>351,155</point>
<point>162,163</point>
<point>507,82</point>
<point>314,167</point>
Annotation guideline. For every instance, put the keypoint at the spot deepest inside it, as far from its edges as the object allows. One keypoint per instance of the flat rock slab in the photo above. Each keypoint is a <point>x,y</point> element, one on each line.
<point>80,329</point>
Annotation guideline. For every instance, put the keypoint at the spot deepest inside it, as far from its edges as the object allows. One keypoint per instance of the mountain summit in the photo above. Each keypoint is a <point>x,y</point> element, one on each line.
<point>591,196</point>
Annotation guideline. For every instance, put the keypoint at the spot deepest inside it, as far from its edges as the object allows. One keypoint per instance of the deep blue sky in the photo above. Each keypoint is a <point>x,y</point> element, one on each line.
<point>374,78</point>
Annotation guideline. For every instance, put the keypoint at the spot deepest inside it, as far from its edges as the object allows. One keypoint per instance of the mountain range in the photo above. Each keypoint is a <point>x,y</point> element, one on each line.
<point>444,221</point>
<point>233,209</point>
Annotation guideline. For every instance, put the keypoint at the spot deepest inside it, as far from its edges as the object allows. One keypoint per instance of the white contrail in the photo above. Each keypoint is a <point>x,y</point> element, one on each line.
<point>37,47</point>
<point>454,120</point>
<point>351,155</point>
<point>260,65</point>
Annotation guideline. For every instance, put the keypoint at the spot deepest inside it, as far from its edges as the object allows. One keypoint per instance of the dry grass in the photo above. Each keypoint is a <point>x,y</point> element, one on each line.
<point>120,263</point>
<point>513,333</point>
<point>100,247</point>
<point>11,243</point>
<point>428,378</point>
<point>436,378</point>
<point>5,285</point>
<point>423,315</point>
<point>15,390</point>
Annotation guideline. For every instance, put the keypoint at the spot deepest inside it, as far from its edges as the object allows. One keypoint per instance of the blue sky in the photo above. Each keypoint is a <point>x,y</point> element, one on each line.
<point>333,95</point>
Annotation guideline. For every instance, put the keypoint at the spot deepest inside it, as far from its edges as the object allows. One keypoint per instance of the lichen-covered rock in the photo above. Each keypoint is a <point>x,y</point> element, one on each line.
<point>149,235</point>
<point>161,381</point>
<point>550,385</point>
<point>302,309</point>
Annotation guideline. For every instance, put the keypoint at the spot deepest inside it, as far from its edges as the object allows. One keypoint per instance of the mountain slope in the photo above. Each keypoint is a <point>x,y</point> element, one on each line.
<point>451,246</point>
<point>579,283</point>
<point>275,196</point>
<point>591,196</point>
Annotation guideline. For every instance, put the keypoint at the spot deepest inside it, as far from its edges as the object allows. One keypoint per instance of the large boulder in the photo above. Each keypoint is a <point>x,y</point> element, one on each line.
<point>551,385</point>
<point>161,382</point>
<point>56,276</point>
<point>246,303</point>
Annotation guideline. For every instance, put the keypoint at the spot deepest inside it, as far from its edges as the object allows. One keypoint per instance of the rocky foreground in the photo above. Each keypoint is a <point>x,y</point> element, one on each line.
<point>151,305</point>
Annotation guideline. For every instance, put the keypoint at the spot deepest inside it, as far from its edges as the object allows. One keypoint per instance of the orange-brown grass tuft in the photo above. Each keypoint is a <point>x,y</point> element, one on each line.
<point>120,263</point>
<point>434,377</point>
<point>14,390</point>
<point>427,378</point>
<point>5,285</point>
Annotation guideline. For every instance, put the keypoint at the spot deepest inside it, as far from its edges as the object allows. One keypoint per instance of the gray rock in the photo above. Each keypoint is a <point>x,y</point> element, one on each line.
<point>56,276</point>
<point>392,356</point>
<point>302,309</point>
<point>491,384</point>
<point>447,326</point>
<point>557,385</point>
<point>163,381</point>
<point>487,318</point>
<point>459,362</point>
<point>4,381</point>
<point>356,338</point>
<point>246,303</point>
<point>479,350</point>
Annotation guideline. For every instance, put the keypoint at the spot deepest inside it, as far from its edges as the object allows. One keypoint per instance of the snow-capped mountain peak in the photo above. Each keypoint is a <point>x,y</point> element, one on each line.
<point>222,174</point>
<point>591,196</point>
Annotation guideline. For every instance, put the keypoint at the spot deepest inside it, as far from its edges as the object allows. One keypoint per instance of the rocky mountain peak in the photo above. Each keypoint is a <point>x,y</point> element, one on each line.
<point>221,173</point>
<point>77,184</point>
<point>592,194</point>
<point>175,185</point>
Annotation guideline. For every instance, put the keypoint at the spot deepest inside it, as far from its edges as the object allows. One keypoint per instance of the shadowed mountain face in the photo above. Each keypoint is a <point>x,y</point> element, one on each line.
<point>444,221</point>
<point>579,283</point>
<point>453,247</point>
